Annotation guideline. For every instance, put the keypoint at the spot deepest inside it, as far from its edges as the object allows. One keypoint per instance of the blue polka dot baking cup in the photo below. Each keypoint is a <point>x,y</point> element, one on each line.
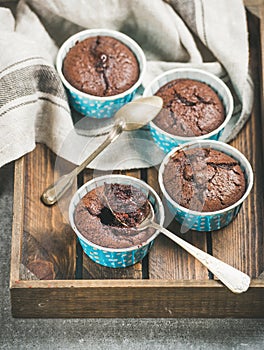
<point>167,141</point>
<point>96,106</point>
<point>119,257</point>
<point>207,221</point>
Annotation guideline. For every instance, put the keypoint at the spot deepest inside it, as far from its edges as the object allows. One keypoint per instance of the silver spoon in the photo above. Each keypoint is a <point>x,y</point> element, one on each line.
<point>131,116</point>
<point>235,280</point>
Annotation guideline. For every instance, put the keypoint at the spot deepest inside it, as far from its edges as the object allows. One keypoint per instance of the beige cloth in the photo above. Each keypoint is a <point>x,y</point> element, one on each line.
<point>208,34</point>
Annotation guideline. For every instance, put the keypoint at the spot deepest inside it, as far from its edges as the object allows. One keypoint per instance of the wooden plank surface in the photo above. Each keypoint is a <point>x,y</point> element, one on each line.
<point>138,298</point>
<point>241,243</point>
<point>166,259</point>
<point>48,248</point>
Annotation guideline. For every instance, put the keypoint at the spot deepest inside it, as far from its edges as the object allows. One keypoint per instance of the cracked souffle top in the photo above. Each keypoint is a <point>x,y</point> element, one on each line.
<point>115,227</point>
<point>101,66</point>
<point>190,108</point>
<point>204,179</point>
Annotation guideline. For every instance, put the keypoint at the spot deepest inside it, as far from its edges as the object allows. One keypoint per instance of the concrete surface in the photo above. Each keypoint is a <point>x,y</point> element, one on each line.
<point>110,334</point>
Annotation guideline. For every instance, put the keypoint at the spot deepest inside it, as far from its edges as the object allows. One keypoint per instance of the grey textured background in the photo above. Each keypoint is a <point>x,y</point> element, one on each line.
<point>112,334</point>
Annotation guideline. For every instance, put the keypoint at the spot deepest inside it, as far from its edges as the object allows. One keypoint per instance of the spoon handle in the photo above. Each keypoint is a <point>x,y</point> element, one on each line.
<point>234,279</point>
<point>55,191</point>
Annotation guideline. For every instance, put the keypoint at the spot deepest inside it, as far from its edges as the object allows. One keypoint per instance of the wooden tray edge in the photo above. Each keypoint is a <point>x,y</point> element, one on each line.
<point>17,226</point>
<point>127,299</point>
<point>127,283</point>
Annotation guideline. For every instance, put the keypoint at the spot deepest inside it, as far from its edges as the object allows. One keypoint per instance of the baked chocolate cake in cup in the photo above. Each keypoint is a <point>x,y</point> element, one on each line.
<point>205,183</point>
<point>197,105</point>
<point>101,70</point>
<point>104,213</point>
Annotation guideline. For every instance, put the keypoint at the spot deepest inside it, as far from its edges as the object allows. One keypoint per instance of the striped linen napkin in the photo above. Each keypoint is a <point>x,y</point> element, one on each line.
<point>207,34</point>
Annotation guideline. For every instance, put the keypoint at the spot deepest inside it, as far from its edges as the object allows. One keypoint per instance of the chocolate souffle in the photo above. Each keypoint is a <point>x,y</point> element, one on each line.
<point>101,66</point>
<point>108,215</point>
<point>204,179</point>
<point>190,108</point>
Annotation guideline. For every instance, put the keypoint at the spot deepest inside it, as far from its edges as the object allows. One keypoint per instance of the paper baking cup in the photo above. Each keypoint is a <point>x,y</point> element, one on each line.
<point>207,221</point>
<point>168,141</point>
<point>96,106</point>
<point>109,256</point>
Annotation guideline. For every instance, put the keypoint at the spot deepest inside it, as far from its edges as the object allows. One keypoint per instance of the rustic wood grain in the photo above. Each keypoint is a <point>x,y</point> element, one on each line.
<point>166,259</point>
<point>18,220</point>
<point>134,298</point>
<point>241,243</point>
<point>48,241</point>
<point>36,260</point>
<point>91,270</point>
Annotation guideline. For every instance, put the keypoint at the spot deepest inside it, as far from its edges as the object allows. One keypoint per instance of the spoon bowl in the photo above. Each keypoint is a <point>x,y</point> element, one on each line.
<point>138,113</point>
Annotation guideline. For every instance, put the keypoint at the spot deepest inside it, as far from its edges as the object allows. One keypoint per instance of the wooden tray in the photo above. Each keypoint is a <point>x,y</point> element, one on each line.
<point>51,277</point>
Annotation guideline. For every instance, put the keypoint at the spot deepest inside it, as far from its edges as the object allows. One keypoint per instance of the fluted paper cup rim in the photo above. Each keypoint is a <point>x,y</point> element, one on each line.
<point>125,39</point>
<point>213,78</point>
<point>140,182</point>
<point>217,145</point>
